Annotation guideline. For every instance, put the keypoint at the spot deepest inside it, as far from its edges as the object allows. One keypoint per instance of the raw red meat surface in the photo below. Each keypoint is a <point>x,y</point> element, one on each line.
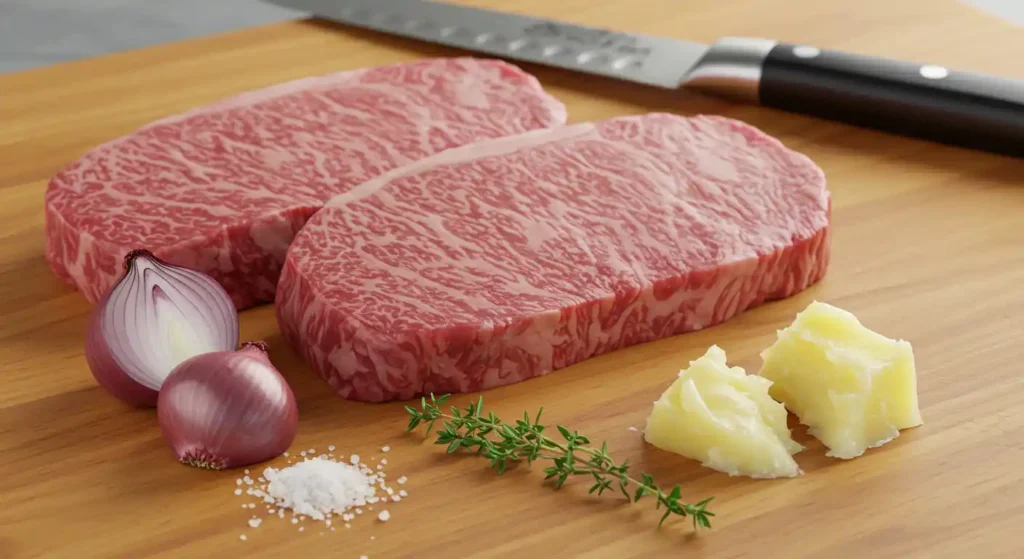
<point>500,261</point>
<point>224,188</point>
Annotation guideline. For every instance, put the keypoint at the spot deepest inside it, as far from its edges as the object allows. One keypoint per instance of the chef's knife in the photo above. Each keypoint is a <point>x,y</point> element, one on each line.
<point>919,100</point>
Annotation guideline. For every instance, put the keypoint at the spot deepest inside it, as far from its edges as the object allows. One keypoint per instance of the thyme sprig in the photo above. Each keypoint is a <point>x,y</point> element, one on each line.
<point>504,443</point>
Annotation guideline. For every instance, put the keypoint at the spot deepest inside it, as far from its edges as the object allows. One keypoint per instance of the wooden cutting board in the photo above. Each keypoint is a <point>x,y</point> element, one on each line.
<point>927,247</point>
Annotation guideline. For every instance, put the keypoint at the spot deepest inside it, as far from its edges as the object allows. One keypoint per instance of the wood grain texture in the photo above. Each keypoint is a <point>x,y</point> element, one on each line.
<point>927,247</point>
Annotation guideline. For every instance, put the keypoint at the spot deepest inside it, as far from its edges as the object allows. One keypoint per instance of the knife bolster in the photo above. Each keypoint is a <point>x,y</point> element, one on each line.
<point>731,68</point>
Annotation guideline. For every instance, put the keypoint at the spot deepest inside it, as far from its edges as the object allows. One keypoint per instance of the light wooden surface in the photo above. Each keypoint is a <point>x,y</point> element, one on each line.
<point>927,246</point>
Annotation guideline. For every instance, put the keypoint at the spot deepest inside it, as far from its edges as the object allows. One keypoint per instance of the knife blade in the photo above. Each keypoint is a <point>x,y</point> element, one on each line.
<point>924,101</point>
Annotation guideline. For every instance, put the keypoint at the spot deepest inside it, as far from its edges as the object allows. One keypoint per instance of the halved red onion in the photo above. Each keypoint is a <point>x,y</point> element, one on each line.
<point>227,409</point>
<point>157,316</point>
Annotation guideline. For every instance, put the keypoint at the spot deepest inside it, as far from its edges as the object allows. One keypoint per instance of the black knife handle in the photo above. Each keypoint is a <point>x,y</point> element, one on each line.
<point>919,100</point>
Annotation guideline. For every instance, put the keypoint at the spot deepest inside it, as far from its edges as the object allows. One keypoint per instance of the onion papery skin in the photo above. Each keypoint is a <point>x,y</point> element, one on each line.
<point>154,318</point>
<point>227,409</point>
<point>107,371</point>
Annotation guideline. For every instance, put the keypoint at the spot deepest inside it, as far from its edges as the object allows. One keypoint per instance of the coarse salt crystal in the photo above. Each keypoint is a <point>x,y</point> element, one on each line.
<point>385,449</point>
<point>301,528</point>
<point>330,448</point>
<point>242,537</point>
<point>303,453</point>
<point>238,491</point>
<point>631,428</point>
<point>312,451</point>
<point>402,493</point>
<point>318,488</point>
<point>285,454</point>
<point>238,481</point>
<point>246,471</point>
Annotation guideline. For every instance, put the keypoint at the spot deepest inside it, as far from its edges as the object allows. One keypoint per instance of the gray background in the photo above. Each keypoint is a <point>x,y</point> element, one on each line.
<point>40,32</point>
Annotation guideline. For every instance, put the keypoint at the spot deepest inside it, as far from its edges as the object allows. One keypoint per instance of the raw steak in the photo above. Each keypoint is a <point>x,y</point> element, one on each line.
<point>223,189</point>
<point>496,262</point>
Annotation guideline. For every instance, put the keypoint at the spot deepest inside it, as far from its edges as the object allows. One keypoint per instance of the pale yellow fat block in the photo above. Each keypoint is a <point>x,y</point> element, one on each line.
<point>725,418</point>
<point>854,388</point>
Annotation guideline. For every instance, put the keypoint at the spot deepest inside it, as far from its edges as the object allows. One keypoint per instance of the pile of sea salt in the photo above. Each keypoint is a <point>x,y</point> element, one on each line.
<point>320,487</point>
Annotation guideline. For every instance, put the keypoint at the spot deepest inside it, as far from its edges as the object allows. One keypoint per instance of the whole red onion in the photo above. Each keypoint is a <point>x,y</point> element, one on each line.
<point>154,318</point>
<point>227,409</point>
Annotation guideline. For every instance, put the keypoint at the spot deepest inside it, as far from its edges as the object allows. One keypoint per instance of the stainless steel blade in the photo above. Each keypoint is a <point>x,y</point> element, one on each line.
<point>656,61</point>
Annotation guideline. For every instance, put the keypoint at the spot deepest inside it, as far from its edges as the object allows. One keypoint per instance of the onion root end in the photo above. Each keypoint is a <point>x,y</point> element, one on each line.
<point>202,459</point>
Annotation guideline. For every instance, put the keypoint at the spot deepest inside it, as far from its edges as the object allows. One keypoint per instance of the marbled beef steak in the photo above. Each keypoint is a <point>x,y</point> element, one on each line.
<point>222,189</point>
<point>503,260</point>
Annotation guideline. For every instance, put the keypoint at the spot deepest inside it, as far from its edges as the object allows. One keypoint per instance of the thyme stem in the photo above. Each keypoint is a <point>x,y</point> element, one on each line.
<point>503,443</point>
